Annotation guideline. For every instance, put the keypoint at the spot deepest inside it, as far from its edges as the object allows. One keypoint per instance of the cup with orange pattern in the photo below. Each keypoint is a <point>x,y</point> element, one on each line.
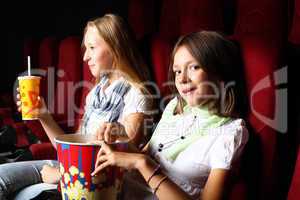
<point>29,91</point>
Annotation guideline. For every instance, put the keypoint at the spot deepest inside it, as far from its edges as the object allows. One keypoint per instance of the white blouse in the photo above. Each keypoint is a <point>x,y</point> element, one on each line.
<point>220,148</point>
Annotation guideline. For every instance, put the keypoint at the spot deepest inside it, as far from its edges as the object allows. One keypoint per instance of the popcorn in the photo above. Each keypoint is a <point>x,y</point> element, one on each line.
<point>81,174</point>
<point>78,190</point>
<point>67,178</point>
<point>73,170</point>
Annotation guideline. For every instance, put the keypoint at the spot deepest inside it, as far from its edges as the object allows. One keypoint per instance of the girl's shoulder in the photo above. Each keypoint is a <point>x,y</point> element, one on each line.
<point>136,100</point>
<point>170,107</point>
<point>235,124</point>
<point>135,94</point>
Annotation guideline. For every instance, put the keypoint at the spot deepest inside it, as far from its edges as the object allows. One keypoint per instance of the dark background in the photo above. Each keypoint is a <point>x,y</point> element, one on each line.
<point>38,19</point>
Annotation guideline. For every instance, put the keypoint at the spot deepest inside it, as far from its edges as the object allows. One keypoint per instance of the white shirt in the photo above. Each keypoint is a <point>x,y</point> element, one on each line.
<point>217,149</point>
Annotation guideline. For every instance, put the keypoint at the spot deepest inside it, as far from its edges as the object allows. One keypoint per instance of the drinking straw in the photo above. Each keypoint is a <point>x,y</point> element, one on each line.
<point>28,64</point>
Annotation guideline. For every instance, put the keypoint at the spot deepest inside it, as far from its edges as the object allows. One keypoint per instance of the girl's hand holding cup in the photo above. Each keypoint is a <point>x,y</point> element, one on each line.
<point>40,110</point>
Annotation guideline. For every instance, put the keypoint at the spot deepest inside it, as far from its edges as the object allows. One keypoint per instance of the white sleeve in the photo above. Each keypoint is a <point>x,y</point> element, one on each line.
<point>135,102</point>
<point>228,145</point>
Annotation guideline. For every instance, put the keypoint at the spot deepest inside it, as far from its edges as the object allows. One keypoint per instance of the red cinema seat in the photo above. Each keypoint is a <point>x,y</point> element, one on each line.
<point>161,51</point>
<point>200,15</point>
<point>169,20</point>
<point>69,75</point>
<point>260,17</point>
<point>48,53</point>
<point>141,17</point>
<point>48,58</point>
<point>260,29</point>
<point>268,114</point>
<point>294,36</point>
<point>162,44</point>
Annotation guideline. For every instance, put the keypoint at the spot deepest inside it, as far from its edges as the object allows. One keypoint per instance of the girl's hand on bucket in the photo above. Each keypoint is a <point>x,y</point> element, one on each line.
<point>109,132</point>
<point>107,157</point>
<point>50,174</point>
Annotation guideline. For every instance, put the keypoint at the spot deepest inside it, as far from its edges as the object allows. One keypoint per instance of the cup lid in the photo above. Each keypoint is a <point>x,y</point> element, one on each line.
<point>28,77</point>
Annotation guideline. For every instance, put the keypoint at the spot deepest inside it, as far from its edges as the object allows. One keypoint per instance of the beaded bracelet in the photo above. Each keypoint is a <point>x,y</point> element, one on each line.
<point>153,174</point>
<point>159,183</point>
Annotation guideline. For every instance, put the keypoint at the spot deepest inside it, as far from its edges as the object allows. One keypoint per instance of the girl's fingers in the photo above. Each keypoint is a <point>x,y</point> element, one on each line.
<point>100,159</point>
<point>100,167</point>
<point>41,102</point>
<point>100,153</point>
<point>106,148</point>
<point>107,132</point>
<point>100,132</point>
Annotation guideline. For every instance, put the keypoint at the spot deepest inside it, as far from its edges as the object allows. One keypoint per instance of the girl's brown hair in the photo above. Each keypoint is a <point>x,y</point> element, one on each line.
<point>217,56</point>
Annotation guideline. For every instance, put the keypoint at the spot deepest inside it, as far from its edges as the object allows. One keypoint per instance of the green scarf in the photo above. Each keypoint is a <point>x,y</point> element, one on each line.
<point>204,122</point>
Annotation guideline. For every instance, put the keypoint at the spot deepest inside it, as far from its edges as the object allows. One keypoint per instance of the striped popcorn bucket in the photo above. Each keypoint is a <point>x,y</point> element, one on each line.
<point>77,156</point>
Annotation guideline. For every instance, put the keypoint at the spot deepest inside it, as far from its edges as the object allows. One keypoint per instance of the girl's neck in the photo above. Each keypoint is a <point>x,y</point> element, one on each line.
<point>112,77</point>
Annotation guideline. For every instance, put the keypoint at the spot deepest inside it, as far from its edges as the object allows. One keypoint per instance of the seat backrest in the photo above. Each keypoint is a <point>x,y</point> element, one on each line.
<point>261,59</point>
<point>48,55</point>
<point>141,17</point>
<point>294,192</point>
<point>197,15</point>
<point>69,74</point>
<point>169,19</point>
<point>260,17</point>
<point>294,35</point>
<point>259,29</point>
<point>180,17</point>
<point>48,52</point>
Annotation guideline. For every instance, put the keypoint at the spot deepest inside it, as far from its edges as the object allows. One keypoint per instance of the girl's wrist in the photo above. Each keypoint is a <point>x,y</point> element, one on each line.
<point>143,162</point>
<point>44,117</point>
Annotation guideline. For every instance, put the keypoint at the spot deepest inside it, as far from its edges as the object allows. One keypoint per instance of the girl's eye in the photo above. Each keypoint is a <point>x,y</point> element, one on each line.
<point>194,67</point>
<point>177,72</point>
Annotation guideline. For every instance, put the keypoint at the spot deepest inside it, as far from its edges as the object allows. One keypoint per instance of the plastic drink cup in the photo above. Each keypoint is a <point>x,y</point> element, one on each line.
<point>77,156</point>
<point>29,91</point>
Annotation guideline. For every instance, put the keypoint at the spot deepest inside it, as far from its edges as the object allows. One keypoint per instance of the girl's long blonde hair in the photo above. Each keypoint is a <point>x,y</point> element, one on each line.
<point>126,57</point>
